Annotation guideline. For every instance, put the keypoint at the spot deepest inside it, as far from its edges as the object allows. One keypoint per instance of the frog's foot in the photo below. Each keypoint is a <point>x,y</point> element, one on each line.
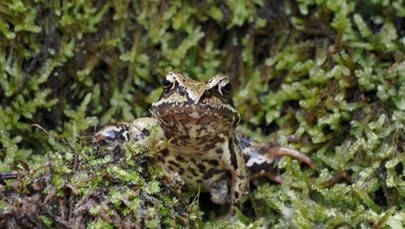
<point>115,132</point>
<point>262,158</point>
<point>219,192</point>
<point>137,130</point>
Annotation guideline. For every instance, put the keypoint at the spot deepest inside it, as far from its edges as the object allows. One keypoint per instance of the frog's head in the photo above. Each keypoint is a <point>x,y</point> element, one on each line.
<point>185,100</point>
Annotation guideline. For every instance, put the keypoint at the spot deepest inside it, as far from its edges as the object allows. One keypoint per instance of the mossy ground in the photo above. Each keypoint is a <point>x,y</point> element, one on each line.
<point>324,77</point>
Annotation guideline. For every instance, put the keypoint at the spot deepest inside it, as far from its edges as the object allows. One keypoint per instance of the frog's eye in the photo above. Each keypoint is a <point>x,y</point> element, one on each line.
<point>167,83</point>
<point>226,89</point>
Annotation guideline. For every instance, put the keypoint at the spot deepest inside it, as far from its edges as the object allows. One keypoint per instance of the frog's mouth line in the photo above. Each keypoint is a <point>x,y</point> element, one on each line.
<point>222,114</point>
<point>212,115</point>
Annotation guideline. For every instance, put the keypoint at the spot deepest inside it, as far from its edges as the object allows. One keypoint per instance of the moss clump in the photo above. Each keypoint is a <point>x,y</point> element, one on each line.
<point>323,77</point>
<point>101,186</point>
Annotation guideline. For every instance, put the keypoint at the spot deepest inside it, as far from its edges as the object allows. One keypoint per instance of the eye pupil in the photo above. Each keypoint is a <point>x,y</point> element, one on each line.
<point>226,89</point>
<point>166,83</point>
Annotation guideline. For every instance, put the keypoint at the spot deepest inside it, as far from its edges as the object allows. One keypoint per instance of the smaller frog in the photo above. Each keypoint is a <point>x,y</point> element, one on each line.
<point>198,121</point>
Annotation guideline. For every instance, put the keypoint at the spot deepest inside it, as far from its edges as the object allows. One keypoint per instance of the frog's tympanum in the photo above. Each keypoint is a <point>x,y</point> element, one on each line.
<point>198,120</point>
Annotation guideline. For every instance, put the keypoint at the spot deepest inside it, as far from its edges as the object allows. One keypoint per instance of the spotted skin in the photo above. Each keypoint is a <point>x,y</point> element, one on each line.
<point>198,121</point>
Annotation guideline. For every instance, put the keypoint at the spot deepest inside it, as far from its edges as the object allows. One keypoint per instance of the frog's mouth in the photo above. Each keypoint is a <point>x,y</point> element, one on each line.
<point>168,114</point>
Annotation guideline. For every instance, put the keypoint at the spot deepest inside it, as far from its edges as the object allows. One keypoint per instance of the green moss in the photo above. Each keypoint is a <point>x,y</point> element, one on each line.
<point>328,73</point>
<point>97,187</point>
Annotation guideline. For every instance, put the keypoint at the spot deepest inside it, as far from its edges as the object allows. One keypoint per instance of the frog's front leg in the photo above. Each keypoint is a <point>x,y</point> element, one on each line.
<point>235,163</point>
<point>262,158</point>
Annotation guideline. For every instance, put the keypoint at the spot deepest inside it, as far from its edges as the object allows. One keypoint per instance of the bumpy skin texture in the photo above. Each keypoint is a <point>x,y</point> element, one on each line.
<point>198,121</point>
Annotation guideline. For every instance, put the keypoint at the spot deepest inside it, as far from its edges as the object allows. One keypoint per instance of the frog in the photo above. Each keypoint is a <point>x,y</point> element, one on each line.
<point>198,121</point>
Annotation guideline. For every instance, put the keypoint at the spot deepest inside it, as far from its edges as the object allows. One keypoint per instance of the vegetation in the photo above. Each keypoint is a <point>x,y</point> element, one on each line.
<point>324,77</point>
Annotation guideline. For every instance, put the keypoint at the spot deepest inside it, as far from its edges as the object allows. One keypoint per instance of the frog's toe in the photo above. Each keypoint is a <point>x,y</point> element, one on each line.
<point>230,216</point>
<point>274,176</point>
<point>282,151</point>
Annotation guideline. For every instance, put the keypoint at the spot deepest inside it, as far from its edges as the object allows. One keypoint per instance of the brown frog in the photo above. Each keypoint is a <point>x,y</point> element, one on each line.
<point>198,120</point>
